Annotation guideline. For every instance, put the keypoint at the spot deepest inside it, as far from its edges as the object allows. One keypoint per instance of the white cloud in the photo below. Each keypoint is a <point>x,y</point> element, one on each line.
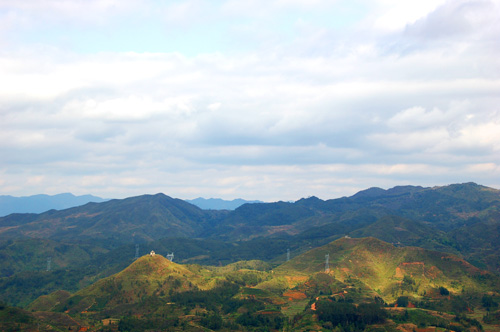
<point>69,11</point>
<point>306,109</point>
<point>395,15</point>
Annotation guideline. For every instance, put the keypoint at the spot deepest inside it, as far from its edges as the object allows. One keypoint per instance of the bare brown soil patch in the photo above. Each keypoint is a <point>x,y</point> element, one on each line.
<point>294,295</point>
<point>406,327</point>
<point>399,273</point>
<point>289,229</point>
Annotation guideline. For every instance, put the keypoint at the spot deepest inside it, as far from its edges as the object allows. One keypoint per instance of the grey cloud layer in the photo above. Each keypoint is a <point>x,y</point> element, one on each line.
<point>416,105</point>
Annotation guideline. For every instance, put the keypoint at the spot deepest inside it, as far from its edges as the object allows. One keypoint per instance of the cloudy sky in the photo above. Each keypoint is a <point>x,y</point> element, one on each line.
<point>269,100</point>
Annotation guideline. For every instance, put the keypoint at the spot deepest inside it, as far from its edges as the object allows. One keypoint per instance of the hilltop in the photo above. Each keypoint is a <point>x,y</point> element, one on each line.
<point>147,276</point>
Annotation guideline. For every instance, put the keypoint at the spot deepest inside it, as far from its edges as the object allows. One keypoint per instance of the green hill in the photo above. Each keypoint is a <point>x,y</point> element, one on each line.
<point>385,269</point>
<point>147,276</point>
<point>154,293</point>
<point>406,232</point>
<point>48,302</point>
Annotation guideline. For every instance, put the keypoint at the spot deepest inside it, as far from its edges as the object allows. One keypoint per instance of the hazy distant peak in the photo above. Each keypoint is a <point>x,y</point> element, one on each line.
<point>218,203</point>
<point>370,192</point>
<point>42,202</point>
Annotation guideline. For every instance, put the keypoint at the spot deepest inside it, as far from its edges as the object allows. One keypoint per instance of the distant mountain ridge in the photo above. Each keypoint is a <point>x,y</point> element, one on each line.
<point>218,203</point>
<point>134,219</point>
<point>458,218</point>
<point>41,203</point>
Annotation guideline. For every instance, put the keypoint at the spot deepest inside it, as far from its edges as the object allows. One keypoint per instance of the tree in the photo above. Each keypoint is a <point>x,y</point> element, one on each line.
<point>443,291</point>
<point>402,301</point>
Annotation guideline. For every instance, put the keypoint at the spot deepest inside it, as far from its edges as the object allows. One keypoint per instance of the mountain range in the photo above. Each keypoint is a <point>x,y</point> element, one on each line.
<point>42,203</point>
<point>405,241</point>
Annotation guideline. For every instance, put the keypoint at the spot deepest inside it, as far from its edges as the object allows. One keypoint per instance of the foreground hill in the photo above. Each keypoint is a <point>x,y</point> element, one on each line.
<point>156,294</point>
<point>147,276</point>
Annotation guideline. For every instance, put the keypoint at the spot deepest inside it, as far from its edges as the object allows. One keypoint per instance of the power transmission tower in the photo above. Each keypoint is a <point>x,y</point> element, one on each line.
<point>49,263</point>
<point>287,255</point>
<point>327,265</point>
<point>136,251</point>
<point>170,257</point>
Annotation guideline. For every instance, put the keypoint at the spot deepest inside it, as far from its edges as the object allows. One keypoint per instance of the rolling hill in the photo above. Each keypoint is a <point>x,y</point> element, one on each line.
<point>154,293</point>
<point>383,268</point>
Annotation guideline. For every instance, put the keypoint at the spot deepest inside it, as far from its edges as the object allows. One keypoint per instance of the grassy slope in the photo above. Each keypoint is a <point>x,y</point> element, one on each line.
<point>382,267</point>
<point>145,277</point>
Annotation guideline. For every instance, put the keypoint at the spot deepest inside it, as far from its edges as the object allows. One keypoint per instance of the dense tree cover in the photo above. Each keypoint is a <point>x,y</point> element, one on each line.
<point>212,321</point>
<point>219,298</point>
<point>273,321</point>
<point>492,317</point>
<point>15,319</point>
<point>488,302</point>
<point>402,301</point>
<point>132,324</point>
<point>423,319</point>
<point>219,301</point>
<point>349,315</point>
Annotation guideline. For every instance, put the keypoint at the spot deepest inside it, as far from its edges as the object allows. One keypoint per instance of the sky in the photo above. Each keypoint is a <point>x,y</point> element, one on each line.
<point>269,100</point>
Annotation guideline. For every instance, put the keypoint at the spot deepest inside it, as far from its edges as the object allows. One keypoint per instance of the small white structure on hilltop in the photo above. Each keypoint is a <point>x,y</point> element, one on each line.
<point>152,253</point>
